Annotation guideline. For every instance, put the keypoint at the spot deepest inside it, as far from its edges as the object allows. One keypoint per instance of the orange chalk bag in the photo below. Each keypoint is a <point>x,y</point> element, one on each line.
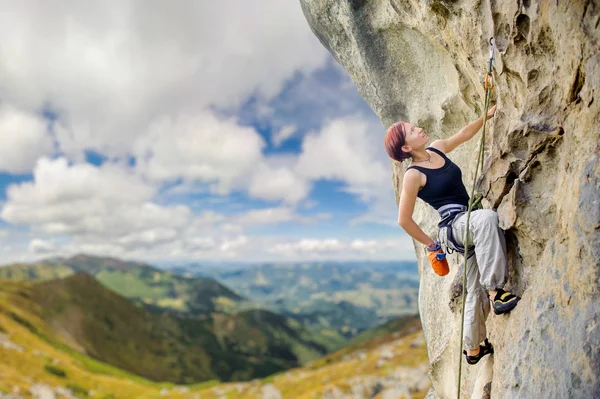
<point>438,261</point>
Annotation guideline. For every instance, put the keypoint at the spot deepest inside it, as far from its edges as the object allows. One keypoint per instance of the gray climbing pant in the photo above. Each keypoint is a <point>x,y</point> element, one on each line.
<point>486,267</point>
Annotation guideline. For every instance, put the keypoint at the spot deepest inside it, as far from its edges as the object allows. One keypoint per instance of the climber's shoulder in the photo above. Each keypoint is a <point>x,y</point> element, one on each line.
<point>413,180</point>
<point>439,145</point>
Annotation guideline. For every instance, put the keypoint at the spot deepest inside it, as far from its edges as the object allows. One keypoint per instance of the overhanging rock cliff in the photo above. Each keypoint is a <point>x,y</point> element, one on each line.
<point>424,61</point>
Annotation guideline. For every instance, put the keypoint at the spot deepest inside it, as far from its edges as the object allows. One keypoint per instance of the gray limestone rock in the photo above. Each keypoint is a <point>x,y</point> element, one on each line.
<point>269,391</point>
<point>424,61</point>
<point>41,391</point>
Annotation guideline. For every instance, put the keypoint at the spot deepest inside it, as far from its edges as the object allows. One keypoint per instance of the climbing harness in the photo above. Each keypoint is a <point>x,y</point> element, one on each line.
<point>472,202</point>
<point>448,214</point>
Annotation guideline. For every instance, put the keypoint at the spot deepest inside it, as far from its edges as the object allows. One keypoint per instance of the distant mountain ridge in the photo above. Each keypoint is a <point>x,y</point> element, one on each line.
<point>335,300</point>
<point>349,297</point>
<point>158,288</point>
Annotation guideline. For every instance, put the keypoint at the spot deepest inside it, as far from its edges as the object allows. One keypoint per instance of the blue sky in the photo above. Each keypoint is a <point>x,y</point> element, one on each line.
<point>220,141</point>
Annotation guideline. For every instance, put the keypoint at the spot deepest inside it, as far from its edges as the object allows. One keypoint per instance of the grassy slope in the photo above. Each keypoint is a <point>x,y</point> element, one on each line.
<point>337,369</point>
<point>22,369</point>
<point>95,320</point>
<point>402,324</point>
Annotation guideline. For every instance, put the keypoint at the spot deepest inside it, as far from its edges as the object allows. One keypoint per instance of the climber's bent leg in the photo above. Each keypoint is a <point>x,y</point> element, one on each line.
<point>490,246</point>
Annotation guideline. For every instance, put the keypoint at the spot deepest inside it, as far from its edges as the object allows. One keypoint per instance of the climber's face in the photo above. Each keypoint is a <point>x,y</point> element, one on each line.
<point>414,137</point>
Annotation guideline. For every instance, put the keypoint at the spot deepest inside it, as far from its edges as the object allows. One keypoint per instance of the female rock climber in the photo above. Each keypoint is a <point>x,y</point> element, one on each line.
<point>435,179</point>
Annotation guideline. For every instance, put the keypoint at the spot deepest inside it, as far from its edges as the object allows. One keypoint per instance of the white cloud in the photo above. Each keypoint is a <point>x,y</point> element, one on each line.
<point>230,247</point>
<point>236,247</point>
<point>283,134</point>
<point>23,139</point>
<point>208,219</point>
<point>351,150</point>
<point>205,149</point>
<point>388,248</point>
<point>258,217</point>
<point>199,147</point>
<point>266,216</point>
<point>148,237</point>
<point>199,244</point>
<point>107,70</point>
<point>145,80</point>
<point>38,246</point>
<point>270,183</point>
<point>108,210</point>
<point>99,203</point>
<point>310,246</point>
<point>346,150</point>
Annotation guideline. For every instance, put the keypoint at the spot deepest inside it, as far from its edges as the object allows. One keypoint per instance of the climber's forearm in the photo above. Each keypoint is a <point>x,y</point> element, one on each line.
<point>415,232</point>
<point>471,129</point>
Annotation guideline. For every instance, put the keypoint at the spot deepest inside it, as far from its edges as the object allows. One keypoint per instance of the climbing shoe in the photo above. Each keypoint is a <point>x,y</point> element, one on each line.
<point>504,301</point>
<point>485,349</point>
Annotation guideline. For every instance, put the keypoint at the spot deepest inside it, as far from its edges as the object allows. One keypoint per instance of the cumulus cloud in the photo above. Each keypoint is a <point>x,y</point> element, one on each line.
<point>344,149</point>
<point>332,248</point>
<point>310,246</point>
<point>23,139</point>
<point>200,244</point>
<point>233,245</point>
<point>277,215</point>
<point>266,216</point>
<point>109,210</point>
<point>86,200</point>
<point>38,246</point>
<point>108,69</point>
<point>350,150</point>
<point>274,183</point>
<point>199,147</point>
<point>203,148</point>
<point>148,84</point>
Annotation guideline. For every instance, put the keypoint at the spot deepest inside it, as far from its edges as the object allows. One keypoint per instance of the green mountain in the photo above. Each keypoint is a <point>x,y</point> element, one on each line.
<point>344,317</point>
<point>405,325</point>
<point>34,354</point>
<point>145,284</point>
<point>35,272</point>
<point>336,301</point>
<point>345,296</point>
<point>93,320</point>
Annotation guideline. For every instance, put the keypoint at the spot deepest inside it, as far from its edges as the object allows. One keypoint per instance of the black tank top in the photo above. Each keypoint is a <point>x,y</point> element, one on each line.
<point>444,185</point>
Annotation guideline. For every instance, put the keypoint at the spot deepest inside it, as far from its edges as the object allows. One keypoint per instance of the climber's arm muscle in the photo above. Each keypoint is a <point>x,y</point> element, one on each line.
<point>449,144</point>
<point>410,188</point>
<point>465,134</point>
<point>413,181</point>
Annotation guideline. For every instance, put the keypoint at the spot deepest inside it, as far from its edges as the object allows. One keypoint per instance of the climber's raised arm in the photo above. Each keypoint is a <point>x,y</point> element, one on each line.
<point>408,197</point>
<point>465,134</point>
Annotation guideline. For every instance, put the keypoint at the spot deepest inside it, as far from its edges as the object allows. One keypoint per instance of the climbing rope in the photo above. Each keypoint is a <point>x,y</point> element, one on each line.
<point>472,203</point>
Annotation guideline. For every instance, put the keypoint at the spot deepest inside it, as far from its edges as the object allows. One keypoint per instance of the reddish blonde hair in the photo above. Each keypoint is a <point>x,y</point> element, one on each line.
<point>394,140</point>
